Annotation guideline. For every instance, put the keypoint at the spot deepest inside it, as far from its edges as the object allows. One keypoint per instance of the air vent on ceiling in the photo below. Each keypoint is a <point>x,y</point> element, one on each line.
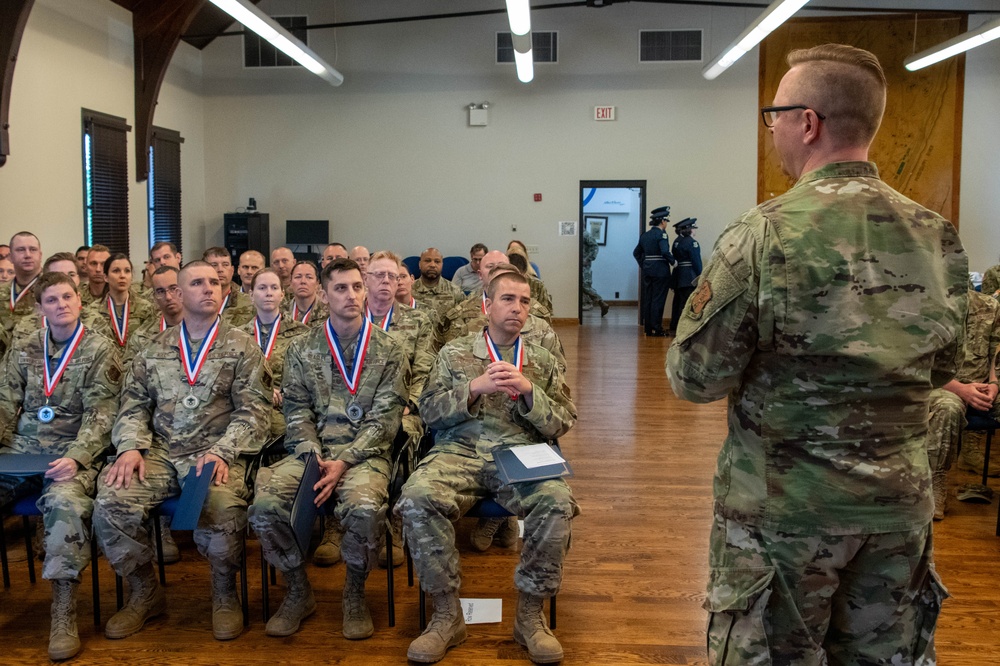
<point>670,46</point>
<point>258,52</point>
<point>544,47</point>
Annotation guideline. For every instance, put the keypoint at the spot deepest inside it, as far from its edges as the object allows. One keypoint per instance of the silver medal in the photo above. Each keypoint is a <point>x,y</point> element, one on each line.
<point>190,401</point>
<point>46,414</point>
<point>355,412</point>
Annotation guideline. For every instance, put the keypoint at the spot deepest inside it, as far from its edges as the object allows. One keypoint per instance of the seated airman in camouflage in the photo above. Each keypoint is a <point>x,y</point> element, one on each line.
<point>434,292</point>
<point>991,282</point>
<point>61,262</point>
<point>539,293</point>
<point>306,304</point>
<point>236,309</point>
<point>487,390</point>
<point>18,301</point>
<point>344,389</point>
<point>199,393</point>
<point>120,312</point>
<point>60,390</point>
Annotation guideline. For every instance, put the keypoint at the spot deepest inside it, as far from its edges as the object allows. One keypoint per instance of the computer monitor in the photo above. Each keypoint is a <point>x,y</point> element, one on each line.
<point>307,232</point>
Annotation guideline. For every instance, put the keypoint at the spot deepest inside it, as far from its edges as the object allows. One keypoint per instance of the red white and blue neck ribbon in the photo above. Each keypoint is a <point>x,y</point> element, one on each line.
<point>350,375</point>
<point>119,326</point>
<point>484,302</point>
<point>225,302</point>
<point>163,323</point>
<point>14,300</point>
<point>385,322</point>
<point>193,364</point>
<point>266,346</point>
<point>494,353</point>
<point>413,303</point>
<point>305,317</point>
<point>52,378</point>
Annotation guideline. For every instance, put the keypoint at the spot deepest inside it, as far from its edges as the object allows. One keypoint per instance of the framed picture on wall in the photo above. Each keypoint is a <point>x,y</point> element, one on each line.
<point>597,227</point>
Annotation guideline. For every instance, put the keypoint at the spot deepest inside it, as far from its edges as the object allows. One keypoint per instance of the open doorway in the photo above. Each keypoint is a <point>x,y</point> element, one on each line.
<point>613,213</point>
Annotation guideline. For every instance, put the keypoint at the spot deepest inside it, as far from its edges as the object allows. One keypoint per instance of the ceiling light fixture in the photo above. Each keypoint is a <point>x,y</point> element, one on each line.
<point>776,13</point>
<point>519,17</point>
<point>960,44</point>
<point>256,20</point>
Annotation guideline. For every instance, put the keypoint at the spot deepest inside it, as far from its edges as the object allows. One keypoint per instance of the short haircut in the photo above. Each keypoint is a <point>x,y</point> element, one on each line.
<point>503,272</point>
<point>51,279</point>
<point>477,247</point>
<point>99,248</point>
<point>253,281</point>
<point>341,265</point>
<point>117,256</point>
<point>847,85</point>
<point>263,259</point>
<point>195,263</point>
<point>82,248</point>
<point>519,261</point>
<point>24,234</point>
<point>429,250</point>
<point>166,269</point>
<point>340,245</point>
<point>162,244</point>
<point>385,254</point>
<point>310,264</point>
<point>215,251</point>
<point>58,256</point>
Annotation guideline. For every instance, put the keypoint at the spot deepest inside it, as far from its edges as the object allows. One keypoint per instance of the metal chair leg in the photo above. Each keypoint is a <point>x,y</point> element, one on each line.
<point>95,581</point>
<point>243,583</point>
<point>986,456</point>
<point>119,591</point>
<point>265,591</point>
<point>552,612</point>
<point>423,610</point>
<point>158,535</point>
<point>390,575</point>
<point>29,547</point>
<point>3,555</point>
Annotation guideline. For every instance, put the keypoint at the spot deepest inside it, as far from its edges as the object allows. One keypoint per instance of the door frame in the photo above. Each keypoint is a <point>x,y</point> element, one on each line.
<point>602,184</point>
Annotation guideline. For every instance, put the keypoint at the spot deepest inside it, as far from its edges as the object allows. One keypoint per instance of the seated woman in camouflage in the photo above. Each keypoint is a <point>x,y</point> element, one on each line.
<point>120,313</point>
<point>305,306</point>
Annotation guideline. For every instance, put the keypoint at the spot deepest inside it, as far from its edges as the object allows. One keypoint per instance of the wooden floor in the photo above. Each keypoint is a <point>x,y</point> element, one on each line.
<point>634,578</point>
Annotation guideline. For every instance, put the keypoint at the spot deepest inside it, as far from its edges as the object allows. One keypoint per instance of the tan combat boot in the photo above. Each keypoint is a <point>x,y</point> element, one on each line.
<point>64,641</point>
<point>939,481</point>
<point>501,531</point>
<point>357,616</point>
<point>171,553</point>
<point>445,630</point>
<point>299,603</point>
<point>397,545</point>
<point>328,552</point>
<point>532,631</point>
<point>227,614</point>
<point>145,600</point>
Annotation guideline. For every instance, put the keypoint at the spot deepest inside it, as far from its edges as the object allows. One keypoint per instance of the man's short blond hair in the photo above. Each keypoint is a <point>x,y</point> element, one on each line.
<point>847,85</point>
<point>385,254</point>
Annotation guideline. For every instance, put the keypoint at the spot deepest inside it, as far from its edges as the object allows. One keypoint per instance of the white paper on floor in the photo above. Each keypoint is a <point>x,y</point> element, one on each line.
<point>482,611</point>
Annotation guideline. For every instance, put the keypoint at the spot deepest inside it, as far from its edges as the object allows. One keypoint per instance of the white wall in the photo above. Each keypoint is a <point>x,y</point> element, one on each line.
<point>615,270</point>
<point>78,55</point>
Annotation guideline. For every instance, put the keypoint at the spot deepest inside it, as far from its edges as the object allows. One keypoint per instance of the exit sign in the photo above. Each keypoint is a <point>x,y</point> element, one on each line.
<point>604,113</point>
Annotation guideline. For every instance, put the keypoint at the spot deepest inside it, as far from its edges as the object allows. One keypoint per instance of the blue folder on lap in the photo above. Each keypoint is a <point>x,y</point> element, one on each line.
<point>25,464</point>
<point>192,498</point>
<point>304,509</point>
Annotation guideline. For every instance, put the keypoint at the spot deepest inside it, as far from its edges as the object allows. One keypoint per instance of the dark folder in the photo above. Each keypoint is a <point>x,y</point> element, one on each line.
<point>512,470</point>
<point>25,464</point>
<point>304,509</point>
<point>192,498</point>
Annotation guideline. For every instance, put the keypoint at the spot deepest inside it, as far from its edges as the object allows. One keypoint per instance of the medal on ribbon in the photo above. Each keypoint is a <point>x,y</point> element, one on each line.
<point>193,364</point>
<point>266,346</point>
<point>119,326</point>
<point>495,356</point>
<point>50,379</point>
<point>385,322</point>
<point>305,317</point>
<point>14,300</point>
<point>352,375</point>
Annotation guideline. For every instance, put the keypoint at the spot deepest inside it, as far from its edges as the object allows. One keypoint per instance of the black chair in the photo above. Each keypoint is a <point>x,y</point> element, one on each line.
<point>978,421</point>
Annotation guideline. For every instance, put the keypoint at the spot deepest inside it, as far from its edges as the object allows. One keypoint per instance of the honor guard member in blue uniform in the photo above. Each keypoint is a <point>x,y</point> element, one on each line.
<point>687,253</point>
<point>654,258</point>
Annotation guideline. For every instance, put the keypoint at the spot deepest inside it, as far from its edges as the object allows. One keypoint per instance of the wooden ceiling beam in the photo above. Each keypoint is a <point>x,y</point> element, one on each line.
<point>13,18</point>
<point>157,27</point>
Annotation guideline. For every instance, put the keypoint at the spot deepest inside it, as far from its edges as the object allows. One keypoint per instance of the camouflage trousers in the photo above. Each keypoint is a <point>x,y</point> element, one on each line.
<point>66,508</point>
<point>360,504</point>
<point>588,286</point>
<point>947,418</point>
<point>121,516</point>
<point>446,485</point>
<point>777,598</point>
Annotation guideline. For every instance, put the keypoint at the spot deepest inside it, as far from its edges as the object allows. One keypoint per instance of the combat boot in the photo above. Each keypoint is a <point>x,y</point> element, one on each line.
<point>532,631</point>
<point>64,641</point>
<point>605,308</point>
<point>299,603</point>
<point>445,630</point>
<point>397,546</point>
<point>227,614</point>
<point>328,552</point>
<point>145,600</point>
<point>482,534</point>
<point>357,616</point>
<point>939,481</point>
<point>171,553</point>
<point>506,534</point>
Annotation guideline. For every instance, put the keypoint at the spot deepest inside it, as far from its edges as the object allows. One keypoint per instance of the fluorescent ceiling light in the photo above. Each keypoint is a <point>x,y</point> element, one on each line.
<point>254,19</point>
<point>777,13</point>
<point>519,15</point>
<point>525,66</point>
<point>969,40</point>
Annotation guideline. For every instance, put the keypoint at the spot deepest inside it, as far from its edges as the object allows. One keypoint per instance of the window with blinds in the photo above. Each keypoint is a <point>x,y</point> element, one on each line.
<point>164,187</point>
<point>105,180</point>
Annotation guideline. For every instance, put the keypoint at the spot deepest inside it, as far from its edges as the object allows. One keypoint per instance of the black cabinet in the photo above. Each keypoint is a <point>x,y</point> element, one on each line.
<point>247,231</point>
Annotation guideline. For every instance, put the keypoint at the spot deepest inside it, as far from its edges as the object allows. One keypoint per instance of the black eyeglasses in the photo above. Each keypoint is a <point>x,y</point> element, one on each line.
<point>769,113</point>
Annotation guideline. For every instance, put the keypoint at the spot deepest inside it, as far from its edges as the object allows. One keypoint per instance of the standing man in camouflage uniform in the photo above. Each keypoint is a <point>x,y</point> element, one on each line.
<point>199,393</point>
<point>652,253</point>
<point>236,309</point>
<point>60,389</point>
<point>590,249</point>
<point>487,390</point>
<point>826,316</point>
<point>344,391</point>
<point>18,301</point>
<point>430,289</point>
<point>687,254</point>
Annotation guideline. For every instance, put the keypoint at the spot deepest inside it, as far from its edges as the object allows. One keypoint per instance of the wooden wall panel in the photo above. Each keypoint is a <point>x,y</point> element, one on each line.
<point>918,147</point>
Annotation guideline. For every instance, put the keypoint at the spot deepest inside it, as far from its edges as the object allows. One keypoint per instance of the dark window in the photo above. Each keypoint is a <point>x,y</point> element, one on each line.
<point>258,52</point>
<point>544,47</point>
<point>670,46</point>
<point>105,181</point>
<point>164,187</point>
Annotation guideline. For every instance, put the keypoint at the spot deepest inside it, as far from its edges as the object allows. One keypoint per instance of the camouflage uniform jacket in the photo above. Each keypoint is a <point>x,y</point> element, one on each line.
<point>140,338</point>
<point>25,305</point>
<point>468,316</point>
<point>828,351</point>
<point>991,282</point>
<point>141,312</point>
<point>317,315</point>
<point>85,400</point>
<point>493,420</point>
<point>239,310</point>
<point>982,338</point>
<point>316,398</point>
<point>234,390</point>
<point>540,295</point>
<point>290,330</point>
<point>412,329</point>
<point>440,297</point>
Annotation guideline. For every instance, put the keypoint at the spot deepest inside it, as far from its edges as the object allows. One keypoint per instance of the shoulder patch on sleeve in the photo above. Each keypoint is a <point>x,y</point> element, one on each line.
<point>665,236</point>
<point>696,244</point>
<point>114,374</point>
<point>701,297</point>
